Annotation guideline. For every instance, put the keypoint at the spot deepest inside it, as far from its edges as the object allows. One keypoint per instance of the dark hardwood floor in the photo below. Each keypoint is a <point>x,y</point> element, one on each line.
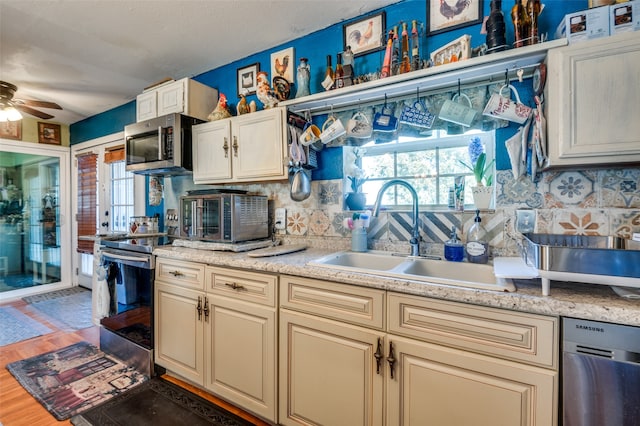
<point>18,407</point>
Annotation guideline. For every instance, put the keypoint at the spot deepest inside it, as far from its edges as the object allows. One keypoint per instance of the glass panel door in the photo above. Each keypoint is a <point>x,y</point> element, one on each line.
<point>33,237</point>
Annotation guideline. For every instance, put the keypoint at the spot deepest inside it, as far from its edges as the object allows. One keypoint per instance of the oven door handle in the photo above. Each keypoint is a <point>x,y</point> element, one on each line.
<point>145,262</point>
<point>129,258</point>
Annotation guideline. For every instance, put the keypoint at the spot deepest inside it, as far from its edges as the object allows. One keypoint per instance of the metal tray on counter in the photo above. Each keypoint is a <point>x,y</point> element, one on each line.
<point>583,258</point>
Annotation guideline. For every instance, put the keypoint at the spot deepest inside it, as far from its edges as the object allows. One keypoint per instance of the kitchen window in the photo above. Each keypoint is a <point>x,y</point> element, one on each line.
<point>429,164</point>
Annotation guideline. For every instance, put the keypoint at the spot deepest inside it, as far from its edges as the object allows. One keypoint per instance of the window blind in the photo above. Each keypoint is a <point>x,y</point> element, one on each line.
<point>87,199</point>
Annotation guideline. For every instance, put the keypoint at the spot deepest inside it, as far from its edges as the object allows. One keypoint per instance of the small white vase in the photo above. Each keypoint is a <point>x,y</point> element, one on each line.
<point>482,196</point>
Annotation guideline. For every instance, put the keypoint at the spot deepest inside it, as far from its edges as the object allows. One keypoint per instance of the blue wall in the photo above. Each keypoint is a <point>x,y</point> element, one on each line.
<point>316,46</point>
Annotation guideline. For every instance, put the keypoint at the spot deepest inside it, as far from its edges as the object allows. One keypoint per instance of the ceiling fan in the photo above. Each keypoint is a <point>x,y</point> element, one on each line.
<point>10,106</point>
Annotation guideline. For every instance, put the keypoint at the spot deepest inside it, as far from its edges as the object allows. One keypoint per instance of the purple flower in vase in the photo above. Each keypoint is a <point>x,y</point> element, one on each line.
<point>475,149</point>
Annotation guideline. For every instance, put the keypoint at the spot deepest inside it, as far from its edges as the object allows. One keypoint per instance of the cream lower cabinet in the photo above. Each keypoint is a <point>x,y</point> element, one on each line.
<point>240,340</point>
<point>245,148</point>
<point>180,316</point>
<point>430,363</point>
<point>460,365</point>
<point>592,102</point>
<point>329,337</point>
<point>216,327</point>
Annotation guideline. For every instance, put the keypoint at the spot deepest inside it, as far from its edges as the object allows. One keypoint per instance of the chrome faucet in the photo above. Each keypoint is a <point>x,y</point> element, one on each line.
<point>415,237</point>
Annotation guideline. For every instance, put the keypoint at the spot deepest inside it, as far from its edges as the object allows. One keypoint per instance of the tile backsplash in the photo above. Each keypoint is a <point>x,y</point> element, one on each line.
<point>583,202</point>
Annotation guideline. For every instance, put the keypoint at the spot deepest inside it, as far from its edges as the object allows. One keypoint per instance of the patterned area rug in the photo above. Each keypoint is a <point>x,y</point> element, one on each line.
<point>73,379</point>
<point>16,326</point>
<point>158,402</point>
<point>70,308</point>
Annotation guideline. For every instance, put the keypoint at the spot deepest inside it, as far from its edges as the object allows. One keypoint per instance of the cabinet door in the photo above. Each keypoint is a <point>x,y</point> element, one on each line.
<point>436,385</point>
<point>179,331</point>
<point>212,152</point>
<point>593,107</point>
<point>146,106</point>
<point>259,145</point>
<point>328,373</point>
<point>240,348</point>
<point>171,98</point>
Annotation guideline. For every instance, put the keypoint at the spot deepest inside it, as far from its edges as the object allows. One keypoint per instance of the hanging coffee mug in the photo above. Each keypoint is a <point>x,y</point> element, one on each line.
<point>310,134</point>
<point>358,126</point>
<point>456,112</point>
<point>417,115</point>
<point>502,107</point>
<point>331,129</point>
<point>384,121</point>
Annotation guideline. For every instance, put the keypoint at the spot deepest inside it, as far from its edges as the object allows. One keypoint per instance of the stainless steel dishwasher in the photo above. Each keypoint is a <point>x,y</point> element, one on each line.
<point>600,374</point>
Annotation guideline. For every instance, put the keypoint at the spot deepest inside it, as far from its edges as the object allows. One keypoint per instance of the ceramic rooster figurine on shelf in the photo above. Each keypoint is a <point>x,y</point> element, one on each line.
<point>265,94</point>
<point>243,106</point>
<point>221,110</point>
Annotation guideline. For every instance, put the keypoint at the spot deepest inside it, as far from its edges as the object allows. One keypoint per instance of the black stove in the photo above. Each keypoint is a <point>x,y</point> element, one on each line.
<point>143,243</point>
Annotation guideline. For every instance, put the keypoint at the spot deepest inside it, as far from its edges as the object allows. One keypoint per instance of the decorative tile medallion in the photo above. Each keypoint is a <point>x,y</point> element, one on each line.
<point>318,222</point>
<point>329,193</point>
<point>297,223</point>
<point>621,188</point>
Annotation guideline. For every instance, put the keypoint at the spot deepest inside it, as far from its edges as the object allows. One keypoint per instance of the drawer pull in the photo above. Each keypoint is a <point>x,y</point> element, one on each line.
<point>235,286</point>
<point>378,355</point>
<point>206,309</point>
<point>199,308</point>
<point>176,273</point>
<point>391,358</point>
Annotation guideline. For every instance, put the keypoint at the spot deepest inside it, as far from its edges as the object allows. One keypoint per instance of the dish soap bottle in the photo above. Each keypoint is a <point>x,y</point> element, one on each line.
<point>477,246</point>
<point>454,249</point>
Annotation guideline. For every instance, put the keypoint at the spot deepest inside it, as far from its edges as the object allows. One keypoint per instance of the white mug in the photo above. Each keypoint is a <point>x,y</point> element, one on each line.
<point>458,113</point>
<point>502,107</point>
<point>358,126</point>
<point>310,135</point>
<point>331,129</point>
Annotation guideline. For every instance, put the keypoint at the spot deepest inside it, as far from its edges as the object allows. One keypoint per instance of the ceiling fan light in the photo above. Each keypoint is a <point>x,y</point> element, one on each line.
<point>10,114</point>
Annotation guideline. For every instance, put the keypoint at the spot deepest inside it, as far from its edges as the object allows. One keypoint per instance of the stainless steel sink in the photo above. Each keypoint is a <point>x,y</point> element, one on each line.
<point>460,274</point>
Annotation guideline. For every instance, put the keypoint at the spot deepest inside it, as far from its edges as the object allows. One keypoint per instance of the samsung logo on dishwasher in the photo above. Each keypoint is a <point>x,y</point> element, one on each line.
<point>589,328</point>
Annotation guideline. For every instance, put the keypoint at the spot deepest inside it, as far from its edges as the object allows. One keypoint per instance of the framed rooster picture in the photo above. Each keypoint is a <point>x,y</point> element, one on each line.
<point>282,65</point>
<point>365,35</point>
<point>447,15</point>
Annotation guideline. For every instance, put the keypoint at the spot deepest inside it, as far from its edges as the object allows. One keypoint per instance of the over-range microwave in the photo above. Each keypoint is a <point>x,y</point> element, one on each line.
<point>224,217</point>
<point>160,146</point>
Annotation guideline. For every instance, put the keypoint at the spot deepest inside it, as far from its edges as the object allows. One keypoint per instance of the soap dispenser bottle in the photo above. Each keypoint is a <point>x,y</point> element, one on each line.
<point>477,246</point>
<point>453,248</point>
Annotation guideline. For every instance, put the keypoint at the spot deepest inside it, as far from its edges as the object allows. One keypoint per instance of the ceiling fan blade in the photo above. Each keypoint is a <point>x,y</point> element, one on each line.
<point>33,112</point>
<point>39,104</point>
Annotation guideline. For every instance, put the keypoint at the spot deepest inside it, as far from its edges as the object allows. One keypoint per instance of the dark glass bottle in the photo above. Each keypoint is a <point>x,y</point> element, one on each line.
<point>329,75</point>
<point>521,24</point>
<point>496,27</point>
<point>533,11</point>
<point>339,74</point>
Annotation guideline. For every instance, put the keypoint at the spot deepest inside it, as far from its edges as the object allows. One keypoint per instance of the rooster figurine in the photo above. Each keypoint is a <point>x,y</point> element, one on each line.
<point>264,92</point>
<point>221,110</point>
<point>243,106</point>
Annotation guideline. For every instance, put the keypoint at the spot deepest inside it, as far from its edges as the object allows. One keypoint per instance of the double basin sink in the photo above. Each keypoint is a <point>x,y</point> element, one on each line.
<point>422,269</point>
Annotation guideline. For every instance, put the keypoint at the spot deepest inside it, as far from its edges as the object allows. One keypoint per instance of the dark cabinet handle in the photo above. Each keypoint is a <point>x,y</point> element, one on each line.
<point>206,309</point>
<point>235,286</point>
<point>226,148</point>
<point>378,355</point>
<point>391,358</point>
<point>199,308</point>
<point>176,273</point>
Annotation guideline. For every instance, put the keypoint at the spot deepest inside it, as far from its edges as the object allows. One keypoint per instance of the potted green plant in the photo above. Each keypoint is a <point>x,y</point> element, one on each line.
<point>483,191</point>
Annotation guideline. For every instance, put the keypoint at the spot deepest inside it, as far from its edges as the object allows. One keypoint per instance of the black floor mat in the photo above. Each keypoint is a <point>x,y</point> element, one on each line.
<point>157,402</point>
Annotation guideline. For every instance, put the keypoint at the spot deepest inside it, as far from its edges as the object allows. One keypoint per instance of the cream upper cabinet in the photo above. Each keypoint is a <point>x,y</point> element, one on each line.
<point>592,102</point>
<point>185,96</point>
<point>246,148</point>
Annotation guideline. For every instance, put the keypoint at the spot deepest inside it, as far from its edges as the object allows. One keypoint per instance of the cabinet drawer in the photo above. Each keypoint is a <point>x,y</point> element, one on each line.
<point>177,272</point>
<point>506,334</point>
<point>242,285</point>
<point>343,302</point>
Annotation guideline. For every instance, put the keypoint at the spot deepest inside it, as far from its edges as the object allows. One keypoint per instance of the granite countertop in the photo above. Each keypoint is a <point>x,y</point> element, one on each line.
<point>587,301</point>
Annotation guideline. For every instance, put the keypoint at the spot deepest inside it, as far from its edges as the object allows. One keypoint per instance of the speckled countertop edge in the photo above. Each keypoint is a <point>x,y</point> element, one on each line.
<point>587,301</point>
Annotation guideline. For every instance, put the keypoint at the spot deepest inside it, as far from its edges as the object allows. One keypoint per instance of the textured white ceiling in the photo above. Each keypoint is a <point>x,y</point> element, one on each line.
<point>92,55</point>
